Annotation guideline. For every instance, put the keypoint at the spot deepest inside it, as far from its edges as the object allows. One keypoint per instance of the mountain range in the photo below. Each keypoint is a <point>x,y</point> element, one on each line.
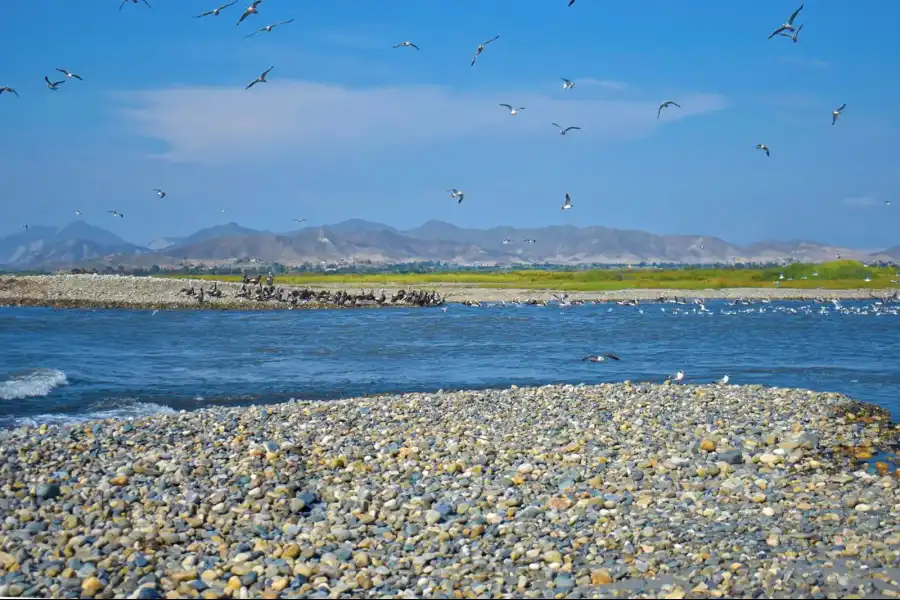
<point>355,240</point>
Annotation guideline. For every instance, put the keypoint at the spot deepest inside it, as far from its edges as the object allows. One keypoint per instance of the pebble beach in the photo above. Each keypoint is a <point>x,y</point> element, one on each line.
<point>615,490</point>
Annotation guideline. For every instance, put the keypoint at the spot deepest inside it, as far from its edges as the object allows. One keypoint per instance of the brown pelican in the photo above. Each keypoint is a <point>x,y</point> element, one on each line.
<point>215,12</point>
<point>564,131</point>
<point>794,35</point>
<point>568,84</point>
<point>115,213</point>
<point>6,88</point>
<point>789,26</point>
<point>601,357</point>
<point>270,27</point>
<point>666,104</point>
<point>159,193</point>
<point>763,147</point>
<point>124,2</point>
<point>568,203</point>
<point>407,44</point>
<point>70,75</point>
<point>260,79</point>
<point>250,10</point>
<point>837,112</point>
<point>457,195</point>
<point>480,48</point>
<point>513,111</point>
<point>53,85</point>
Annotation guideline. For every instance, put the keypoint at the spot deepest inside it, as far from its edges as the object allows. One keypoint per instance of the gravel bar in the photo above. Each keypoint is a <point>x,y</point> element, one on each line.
<point>615,490</point>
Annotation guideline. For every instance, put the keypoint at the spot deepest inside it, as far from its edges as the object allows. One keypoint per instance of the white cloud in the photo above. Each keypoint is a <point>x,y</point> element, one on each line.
<point>217,124</point>
<point>860,202</point>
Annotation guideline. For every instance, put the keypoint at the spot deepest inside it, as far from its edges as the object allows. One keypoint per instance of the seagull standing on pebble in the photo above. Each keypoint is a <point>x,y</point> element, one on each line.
<point>457,195</point>
<point>568,84</point>
<point>70,75</point>
<point>679,376</point>
<point>260,79</point>
<point>6,88</point>
<point>724,380</point>
<point>124,2</point>
<point>564,131</point>
<point>250,10</point>
<point>837,112</point>
<point>664,105</point>
<point>53,85</point>
<point>407,44</point>
<point>480,49</point>
<point>115,213</point>
<point>567,205</point>
<point>159,193</point>
<point>269,27</point>
<point>794,35</point>
<point>763,147</point>
<point>789,26</point>
<point>513,111</point>
<point>215,12</point>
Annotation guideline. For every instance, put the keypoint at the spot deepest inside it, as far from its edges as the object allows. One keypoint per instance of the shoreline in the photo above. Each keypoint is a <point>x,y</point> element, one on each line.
<point>623,489</point>
<point>154,293</point>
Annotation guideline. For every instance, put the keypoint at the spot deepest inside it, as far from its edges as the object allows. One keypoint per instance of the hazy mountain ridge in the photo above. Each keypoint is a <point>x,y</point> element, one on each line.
<point>359,240</point>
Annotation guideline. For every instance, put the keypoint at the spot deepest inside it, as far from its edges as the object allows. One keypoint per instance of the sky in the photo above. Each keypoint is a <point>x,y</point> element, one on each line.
<point>349,127</point>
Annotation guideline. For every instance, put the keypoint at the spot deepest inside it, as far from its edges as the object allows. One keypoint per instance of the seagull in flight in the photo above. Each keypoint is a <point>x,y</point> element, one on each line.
<point>159,193</point>
<point>115,213</point>
<point>407,44</point>
<point>513,111</point>
<point>567,205</point>
<point>70,75</point>
<point>794,35</point>
<point>6,88</point>
<point>563,131</point>
<point>53,85</point>
<point>664,105</point>
<point>25,225</point>
<point>260,79</point>
<point>507,241</point>
<point>763,147</point>
<point>480,49</point>
<point>457,195</point>
<point>568,84</point>
<point>530,241</point>
<point>78,213</point>
<point>269,27</point>
<point>837,112</point>
<point>250,10</point>
<point>789,26</point>
<point>124,2</point>
<point>601,357</point>
<point>300,220</point>
<point>571,2</point>
<point>215,12</point>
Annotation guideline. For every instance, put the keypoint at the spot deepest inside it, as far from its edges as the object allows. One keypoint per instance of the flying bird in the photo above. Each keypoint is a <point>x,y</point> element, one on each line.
<point>529,241</point>
<point>763,147</point>
<point>6,88</point>
<point>159,193</point>
<point>480,48</point>
<point>300,220</point>
<point>664,105</point>
<point>115,213</point>
<point>571,2</point>
<point>567,205</point>
<point>789,26</point>
<point>250,10</point>
<point>794,35</point>
<point>407,44</point>
<point>260,79</point>
<point>70,75</point>
<point>601,357</point>
<point>457,195</point>
<point>78,213</point>
<point>215,12</point>
<point>25,225</point>
<point>564,131</point>
<point>837,112</point>
<point>568,84</point>
<point>513,111</point>
<point>507,241</point>
<point>53,85</point>
<point>269,27</point>
<point>124,2</point>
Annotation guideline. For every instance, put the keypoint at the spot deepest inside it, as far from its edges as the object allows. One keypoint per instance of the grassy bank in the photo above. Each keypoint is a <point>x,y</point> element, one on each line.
<point>833,275</point>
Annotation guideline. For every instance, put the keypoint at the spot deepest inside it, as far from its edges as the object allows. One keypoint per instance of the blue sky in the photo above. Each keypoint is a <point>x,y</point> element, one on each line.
<point>348,127</point>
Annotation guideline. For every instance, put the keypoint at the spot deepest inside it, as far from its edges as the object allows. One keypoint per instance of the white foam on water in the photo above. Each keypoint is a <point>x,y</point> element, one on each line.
<point>33,384</point>
<point>120,410</point>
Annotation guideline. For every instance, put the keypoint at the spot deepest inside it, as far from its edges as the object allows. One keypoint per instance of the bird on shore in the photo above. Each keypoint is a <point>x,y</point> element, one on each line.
<point>507,241</point>
<point>53,85</point>
<point>6,88</point>
<point>665,105</point>
<point>529,241</point>
<point>115,213</point>
<point>260,79</point>
<point>564,131</point>
<point>794,35</point>
<point>269,27</point>
<point>70,75</point>
<point>124,2</point>
<point>679,376</point>
<point>724,380</point>
<point>215,12</point>
<point>480,48</point>
<point>837,112</point>
<point>568,203</point>
<point>568,84</point>
<point>250,10</point>
<point>789,25</point>
<point>601,357</point>
<point>457,195</point>
<point>763,147</point>
<point>513,111</point>
<point>407,44</point>
<point>159,193</point>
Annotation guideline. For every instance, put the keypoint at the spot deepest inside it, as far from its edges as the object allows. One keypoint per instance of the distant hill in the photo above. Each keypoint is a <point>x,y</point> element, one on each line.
<point>73,243</point>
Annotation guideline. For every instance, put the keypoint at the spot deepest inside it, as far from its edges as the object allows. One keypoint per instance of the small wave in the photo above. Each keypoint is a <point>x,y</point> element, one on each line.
<point>122,410</point>
<point>32,384</point>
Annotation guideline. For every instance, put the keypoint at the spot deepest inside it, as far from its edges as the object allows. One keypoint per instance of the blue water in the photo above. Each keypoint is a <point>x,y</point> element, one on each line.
<point>63,365</point>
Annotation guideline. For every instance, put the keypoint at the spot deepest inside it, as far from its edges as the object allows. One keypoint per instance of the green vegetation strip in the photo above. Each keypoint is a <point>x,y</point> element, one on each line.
<point>833,275</point>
